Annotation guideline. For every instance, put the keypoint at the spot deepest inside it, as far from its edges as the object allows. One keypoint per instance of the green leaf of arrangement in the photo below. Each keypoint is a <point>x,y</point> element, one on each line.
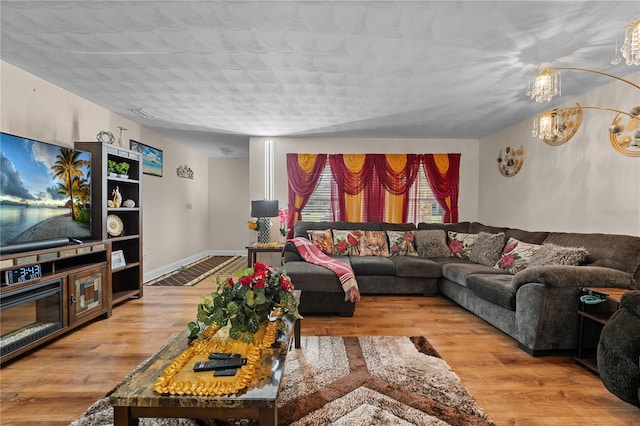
<point>253,325</point>
<point>233,308</point>
<point>249,298</point>
<point>247,337</point>
<point>220,317</point>
<point>235,333</point>
<point>194,329</point>
<point>260,296</point>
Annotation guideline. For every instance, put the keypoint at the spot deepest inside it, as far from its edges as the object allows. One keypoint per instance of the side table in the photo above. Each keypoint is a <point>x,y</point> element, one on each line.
<point>591,320</point>
<point>255,248</point>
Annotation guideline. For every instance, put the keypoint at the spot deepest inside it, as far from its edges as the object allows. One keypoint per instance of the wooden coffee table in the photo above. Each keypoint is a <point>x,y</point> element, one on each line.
<point>135,398</point>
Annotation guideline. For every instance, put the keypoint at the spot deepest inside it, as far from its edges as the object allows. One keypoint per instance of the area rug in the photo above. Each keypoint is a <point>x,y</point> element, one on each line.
<point>195,272</point>
<point>354,381</point>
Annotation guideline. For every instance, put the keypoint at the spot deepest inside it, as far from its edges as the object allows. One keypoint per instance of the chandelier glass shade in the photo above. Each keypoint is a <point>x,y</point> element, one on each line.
<point>631,48</point>
<point>545,85</point>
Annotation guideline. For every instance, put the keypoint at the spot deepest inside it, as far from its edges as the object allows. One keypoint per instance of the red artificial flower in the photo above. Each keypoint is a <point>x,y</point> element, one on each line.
<point>455,246</point>
<point>246,280</point>
<point>229,282</point>
<point>285,283</point>
<point>259,267</point>
<point>260,279</point>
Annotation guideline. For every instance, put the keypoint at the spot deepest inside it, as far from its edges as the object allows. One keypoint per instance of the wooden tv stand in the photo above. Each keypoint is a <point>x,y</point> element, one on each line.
<point>74,288</point>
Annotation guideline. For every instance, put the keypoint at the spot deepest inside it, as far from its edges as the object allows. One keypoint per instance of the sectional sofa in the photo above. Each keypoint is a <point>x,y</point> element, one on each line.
<point>526,284</point>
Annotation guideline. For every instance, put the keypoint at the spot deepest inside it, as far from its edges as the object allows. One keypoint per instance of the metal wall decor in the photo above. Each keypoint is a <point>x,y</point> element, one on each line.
<point>184,172</point>
<point>511,161</point>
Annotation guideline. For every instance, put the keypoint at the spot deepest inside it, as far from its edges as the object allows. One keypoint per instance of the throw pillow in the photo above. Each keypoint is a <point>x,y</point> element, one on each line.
<point>401,243</point>
<point>461,244</point>
<point>432,243</point>
<point>323,240</point>
<point>346,242</point>
<point>374,243</point>
<point>551,254</point>
<point>516,256</point>
<point>487,248</point>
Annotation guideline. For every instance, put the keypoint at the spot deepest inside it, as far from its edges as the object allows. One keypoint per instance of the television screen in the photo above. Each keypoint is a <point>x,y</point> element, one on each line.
<point>45,192</point>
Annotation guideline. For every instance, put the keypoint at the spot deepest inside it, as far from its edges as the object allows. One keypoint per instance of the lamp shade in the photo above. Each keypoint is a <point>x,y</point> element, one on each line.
<point>264,208</point>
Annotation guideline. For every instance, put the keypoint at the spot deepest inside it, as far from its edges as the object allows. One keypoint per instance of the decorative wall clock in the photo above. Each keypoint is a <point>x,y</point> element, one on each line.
<point>510,161</point>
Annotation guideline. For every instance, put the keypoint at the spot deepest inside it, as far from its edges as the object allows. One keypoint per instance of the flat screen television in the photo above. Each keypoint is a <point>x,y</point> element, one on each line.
<point>45,194</point>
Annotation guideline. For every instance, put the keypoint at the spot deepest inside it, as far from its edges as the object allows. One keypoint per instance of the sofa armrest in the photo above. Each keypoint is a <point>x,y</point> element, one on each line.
<point>574,276</point>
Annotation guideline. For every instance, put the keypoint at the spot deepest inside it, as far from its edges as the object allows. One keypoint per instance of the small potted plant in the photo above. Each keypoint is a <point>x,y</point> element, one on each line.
<point>122,169</point>
<point>111,168</point>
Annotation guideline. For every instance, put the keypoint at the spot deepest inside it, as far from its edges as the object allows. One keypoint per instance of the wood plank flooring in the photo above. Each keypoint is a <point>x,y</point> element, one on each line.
<point>55,384</point>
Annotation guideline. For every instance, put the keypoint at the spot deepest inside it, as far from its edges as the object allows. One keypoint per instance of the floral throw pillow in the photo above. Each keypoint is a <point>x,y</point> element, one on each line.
<point>461,244</point>
<point>516,256</point>
<point>401,243</point>
<point>323,240</point>
<point>374,243</point>
<point>346,242</point>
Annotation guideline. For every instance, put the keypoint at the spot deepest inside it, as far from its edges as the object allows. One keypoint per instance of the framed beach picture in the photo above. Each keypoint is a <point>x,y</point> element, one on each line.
<point>151,158</point>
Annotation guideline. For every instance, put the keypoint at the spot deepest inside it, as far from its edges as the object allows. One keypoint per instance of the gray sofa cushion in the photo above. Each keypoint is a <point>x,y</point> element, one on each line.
<point>410,266</point>
<point>459,272</point>
<point>372,265</point>
<point>487,248</point>
<point>307,276</point>
<point>431,243</point>
<point>494,288</point>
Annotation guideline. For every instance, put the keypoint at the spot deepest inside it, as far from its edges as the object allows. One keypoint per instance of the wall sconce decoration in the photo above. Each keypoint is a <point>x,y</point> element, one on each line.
<point>510,163</point>
<point>184,172</point>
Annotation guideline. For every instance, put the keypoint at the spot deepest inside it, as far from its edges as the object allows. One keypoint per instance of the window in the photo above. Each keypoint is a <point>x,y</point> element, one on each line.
<point>423,206</point>
<point>318,208</point>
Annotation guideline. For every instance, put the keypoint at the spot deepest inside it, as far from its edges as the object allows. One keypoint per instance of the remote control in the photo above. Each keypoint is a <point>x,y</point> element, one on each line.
<point>218,364</point>
<point>225,372</point>
<point>223,355</point>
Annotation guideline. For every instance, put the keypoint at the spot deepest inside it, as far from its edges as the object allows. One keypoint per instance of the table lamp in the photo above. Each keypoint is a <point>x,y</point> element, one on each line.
<point>263,210</point>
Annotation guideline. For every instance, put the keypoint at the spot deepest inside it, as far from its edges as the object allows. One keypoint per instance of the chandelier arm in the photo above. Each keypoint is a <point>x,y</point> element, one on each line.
<point>597,72</point>
<point>605,109</point>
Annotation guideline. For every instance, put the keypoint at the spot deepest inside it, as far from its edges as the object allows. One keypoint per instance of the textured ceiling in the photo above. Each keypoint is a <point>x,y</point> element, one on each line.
<point>214,73</point>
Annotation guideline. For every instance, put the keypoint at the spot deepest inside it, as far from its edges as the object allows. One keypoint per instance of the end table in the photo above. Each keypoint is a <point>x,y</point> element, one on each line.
<point>591,320</point>
<point>255,248</point>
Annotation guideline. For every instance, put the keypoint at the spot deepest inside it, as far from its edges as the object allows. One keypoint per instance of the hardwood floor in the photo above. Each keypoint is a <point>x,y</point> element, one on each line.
<point>55,384</point>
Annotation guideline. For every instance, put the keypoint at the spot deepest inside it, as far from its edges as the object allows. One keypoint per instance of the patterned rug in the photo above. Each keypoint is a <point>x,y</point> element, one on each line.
<point>195,272</point>
<point>355,381</point>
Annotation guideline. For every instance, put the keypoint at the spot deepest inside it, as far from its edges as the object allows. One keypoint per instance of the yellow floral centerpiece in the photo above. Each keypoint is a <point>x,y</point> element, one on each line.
<point>256,296</point>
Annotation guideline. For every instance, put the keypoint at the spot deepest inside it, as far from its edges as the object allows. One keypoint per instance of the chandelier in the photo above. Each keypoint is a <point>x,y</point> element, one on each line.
<point>558,126</point>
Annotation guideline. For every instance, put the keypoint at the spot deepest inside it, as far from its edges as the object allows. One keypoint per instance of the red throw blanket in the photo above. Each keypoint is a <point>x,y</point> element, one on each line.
<point>312,254</point>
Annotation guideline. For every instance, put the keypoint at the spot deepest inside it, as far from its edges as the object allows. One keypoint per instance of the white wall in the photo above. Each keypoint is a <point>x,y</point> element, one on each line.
<point>229,206</point>
<point>172,235</point>
<point>584,185</point>
<point>468,198</point>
